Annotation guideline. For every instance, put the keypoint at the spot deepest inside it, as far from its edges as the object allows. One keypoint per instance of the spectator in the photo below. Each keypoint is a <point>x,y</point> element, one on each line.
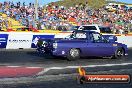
<point>0,26</point>
<point>52,16</point>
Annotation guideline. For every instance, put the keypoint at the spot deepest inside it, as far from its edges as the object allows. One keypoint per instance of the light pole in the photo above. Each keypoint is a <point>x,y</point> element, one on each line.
<point>36,13</point>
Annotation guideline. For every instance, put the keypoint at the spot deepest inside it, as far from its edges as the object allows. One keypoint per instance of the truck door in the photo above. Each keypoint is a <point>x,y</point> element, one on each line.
<point>99,46</point>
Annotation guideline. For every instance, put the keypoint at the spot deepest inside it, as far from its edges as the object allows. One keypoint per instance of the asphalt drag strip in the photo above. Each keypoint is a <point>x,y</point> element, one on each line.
<point>58,81</point>
<point>56,73</point>
<point>39,74</point>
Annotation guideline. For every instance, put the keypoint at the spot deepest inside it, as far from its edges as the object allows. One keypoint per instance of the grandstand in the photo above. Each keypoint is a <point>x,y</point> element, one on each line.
<point>9,24</point>
<point>20,17</point>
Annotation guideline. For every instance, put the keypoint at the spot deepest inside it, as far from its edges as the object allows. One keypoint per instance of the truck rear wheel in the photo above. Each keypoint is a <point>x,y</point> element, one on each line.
<point>119,54</point>
<point>73,54</point>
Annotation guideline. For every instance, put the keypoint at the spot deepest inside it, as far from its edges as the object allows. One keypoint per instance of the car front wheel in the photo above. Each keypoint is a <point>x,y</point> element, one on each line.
<point>73,54</point>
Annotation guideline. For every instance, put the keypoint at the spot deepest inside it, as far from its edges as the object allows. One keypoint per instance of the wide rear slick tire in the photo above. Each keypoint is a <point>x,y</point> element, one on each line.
<point>119,54</point>
<point>73,54</point>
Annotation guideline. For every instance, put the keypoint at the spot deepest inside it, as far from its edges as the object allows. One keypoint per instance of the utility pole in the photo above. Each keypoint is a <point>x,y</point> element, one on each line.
<point>36,13</point>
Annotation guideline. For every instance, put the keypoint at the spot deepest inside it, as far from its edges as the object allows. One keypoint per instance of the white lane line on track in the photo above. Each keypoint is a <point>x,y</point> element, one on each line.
<point>33,67</point>
<point>13,66</point>
<point>60,68</point>
<point>21,66</point>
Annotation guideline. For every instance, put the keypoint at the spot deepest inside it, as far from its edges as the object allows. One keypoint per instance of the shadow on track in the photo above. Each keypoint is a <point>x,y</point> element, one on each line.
<point>31,56</point>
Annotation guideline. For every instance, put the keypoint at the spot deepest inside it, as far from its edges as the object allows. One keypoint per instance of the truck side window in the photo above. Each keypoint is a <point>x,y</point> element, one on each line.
<point>97,37</point>
<point>81,35</point>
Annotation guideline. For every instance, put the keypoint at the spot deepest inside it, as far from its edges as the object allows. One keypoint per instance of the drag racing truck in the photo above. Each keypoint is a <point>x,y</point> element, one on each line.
<point>81,43</point>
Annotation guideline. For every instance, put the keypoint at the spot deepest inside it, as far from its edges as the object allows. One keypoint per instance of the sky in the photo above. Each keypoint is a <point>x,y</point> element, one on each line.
<point>43,2</point>
<point>126,1</point>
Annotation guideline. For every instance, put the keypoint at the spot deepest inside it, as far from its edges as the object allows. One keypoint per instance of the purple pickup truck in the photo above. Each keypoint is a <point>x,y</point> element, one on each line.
<point>83,43</point>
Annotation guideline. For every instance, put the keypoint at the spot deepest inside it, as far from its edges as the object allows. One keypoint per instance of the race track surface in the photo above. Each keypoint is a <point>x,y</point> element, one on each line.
<point>31,58</point>
<point>65,73</point>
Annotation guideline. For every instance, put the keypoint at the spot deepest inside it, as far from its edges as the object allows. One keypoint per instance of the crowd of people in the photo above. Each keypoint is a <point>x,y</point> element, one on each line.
<point>62,18</point>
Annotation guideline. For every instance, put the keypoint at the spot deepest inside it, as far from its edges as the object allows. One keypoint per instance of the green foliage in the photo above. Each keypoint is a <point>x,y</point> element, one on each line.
<point>91,3</point>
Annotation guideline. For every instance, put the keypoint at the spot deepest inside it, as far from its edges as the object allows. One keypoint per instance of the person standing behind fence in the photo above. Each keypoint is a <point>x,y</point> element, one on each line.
<point>1,22</point>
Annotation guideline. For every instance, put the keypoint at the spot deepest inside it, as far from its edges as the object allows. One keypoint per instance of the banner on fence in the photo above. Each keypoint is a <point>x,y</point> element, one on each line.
<point>37,37</point>
<point>19,40</point>
<point>3,40</point>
